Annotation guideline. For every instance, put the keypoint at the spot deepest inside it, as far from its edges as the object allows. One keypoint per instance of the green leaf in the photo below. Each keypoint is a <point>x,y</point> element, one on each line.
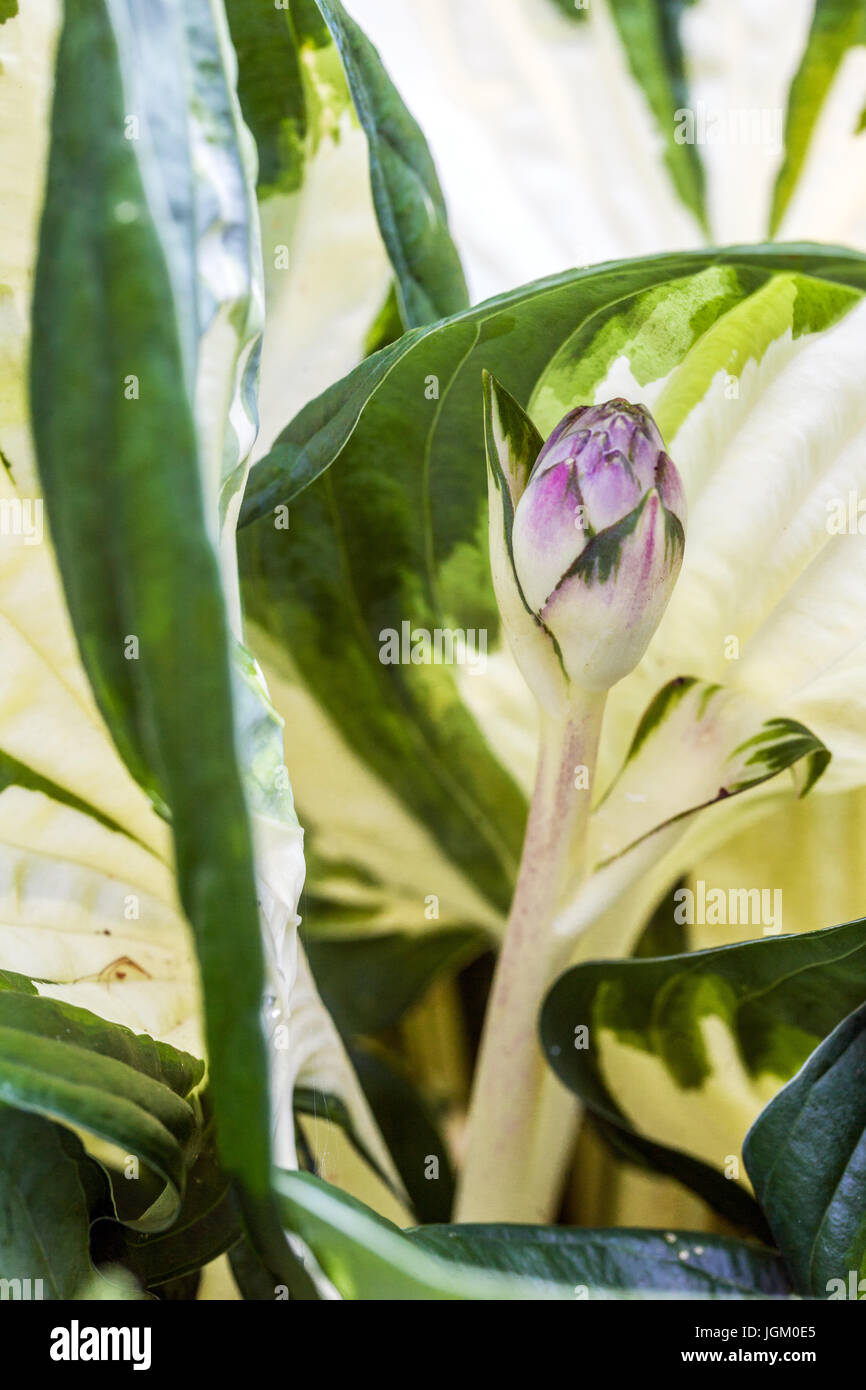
<point>406,192</point>
<point>65,1063</point>
<point>684,1051</point>
<point>806,1157</point>
<point>837,25</point>
<point>44,1219</point>
<point>115,300</point>
<point>690,1265</point>
<point>525,338</point>
<point>113,939</point>
<point>368,984</point>
<point>290,87</point>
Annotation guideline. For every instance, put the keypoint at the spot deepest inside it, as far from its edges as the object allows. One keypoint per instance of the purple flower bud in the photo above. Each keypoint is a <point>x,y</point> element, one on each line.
<point>596,539</point>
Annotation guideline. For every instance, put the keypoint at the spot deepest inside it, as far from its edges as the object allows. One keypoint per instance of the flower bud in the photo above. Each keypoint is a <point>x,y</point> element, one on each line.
<point>594,538</point>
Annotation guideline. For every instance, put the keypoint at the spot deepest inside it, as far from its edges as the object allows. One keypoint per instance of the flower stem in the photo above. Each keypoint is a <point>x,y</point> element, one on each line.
<point>518,1128</point>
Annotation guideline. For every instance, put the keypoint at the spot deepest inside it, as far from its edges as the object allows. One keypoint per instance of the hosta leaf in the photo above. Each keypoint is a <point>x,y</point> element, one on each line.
<point>690,1265</point>
<point>381,873</point>
<point>395,531</point>
<point>371,1259</point>
<point>663,935</point>
<point>44,1220</point>
<point>686,1050</point>
<point>68,1064</point>
<point>406,192</point>
<point>367,985</point>
<point>837,25</point>
<point>806,1157</point>
<point>421,760</point>
<point>387,326</point>
<point>116,288</point>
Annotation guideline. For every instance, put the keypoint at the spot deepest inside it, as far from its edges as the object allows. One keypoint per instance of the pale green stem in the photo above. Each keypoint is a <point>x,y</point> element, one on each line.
<point>513,1161</point>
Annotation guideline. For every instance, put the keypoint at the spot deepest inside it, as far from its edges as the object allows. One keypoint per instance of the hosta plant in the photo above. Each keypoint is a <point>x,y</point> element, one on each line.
<point>532,605</point>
